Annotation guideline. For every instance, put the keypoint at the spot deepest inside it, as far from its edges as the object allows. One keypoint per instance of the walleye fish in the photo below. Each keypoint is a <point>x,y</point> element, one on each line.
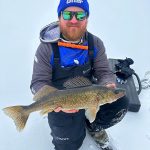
<point>80,93</point>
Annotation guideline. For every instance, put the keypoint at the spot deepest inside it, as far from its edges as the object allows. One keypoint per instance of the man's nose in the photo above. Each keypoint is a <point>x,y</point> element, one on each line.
<point>74,20</point>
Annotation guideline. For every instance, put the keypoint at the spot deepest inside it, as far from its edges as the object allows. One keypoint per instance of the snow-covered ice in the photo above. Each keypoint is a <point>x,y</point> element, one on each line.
<point>124,28</point>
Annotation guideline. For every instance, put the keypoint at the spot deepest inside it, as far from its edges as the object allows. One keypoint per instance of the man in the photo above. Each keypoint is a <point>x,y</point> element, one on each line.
<point>64,53</point>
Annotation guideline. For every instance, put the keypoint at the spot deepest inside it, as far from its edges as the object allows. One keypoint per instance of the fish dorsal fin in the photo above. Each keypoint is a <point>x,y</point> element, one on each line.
<point>45,90</point>
<point>78,81</point>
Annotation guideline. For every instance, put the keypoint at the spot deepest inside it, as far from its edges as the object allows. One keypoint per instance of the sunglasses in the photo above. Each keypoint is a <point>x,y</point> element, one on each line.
<point>68,15</point>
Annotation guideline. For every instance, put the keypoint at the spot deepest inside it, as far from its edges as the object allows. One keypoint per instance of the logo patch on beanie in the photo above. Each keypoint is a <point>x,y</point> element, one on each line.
<point>74,1</point>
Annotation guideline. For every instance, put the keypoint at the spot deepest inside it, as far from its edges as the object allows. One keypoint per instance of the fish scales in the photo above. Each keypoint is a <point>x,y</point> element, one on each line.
<point>66,98</point>
<point>75,101</point>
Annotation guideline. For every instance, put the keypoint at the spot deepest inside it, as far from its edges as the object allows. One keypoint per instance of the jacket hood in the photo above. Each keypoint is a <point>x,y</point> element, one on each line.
<point>50,33</point>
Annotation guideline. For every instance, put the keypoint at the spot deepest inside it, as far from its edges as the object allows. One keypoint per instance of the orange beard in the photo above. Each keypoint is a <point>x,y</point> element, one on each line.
<point>73,32</point>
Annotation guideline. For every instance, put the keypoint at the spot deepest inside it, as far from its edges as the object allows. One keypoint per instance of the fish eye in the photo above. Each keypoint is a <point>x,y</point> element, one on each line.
<point>116,91</point>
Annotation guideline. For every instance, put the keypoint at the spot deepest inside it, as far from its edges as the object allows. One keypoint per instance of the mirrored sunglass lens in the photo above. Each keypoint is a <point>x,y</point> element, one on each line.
<point>66,15</point>
<point>81,15</point>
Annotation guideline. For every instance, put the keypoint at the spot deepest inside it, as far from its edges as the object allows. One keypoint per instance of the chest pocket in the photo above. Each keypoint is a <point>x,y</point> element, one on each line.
<point>61,73</point>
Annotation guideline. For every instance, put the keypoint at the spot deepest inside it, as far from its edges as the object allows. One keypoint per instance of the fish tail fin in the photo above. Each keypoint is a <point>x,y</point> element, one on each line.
<point>18,114</point>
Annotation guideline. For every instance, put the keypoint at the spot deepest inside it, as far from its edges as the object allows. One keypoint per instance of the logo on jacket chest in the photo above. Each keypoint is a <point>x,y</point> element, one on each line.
<point>74,1</point>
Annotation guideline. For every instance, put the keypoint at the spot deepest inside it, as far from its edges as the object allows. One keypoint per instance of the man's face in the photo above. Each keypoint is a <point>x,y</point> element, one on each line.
<point>73,29</point>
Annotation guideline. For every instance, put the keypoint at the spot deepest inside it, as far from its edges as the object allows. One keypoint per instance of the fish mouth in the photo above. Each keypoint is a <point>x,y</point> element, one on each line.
<point>120,92</point>
<point>121,95</point>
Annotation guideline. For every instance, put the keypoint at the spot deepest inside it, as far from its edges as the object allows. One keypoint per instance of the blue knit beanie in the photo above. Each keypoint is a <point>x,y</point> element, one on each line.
<point>78,3</point>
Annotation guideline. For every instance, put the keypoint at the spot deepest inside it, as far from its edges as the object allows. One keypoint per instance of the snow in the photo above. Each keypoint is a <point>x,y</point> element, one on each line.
<point>124,28</point>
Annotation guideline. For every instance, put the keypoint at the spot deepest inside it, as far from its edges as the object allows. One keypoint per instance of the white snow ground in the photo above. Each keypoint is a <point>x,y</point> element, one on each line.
<point>124,28</point>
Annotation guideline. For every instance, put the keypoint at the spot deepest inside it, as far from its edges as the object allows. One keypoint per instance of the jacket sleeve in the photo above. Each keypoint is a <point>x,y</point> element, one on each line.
<point>101,64</point>
<point>42,69</point>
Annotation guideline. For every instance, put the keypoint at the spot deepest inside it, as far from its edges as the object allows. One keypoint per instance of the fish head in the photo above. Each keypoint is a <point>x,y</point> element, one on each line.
<point>118,93</point>
<point>109,95</point>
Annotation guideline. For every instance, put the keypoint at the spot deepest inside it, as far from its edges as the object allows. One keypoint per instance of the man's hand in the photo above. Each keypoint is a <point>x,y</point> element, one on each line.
<point>111,85</point>
<point>58,109</point>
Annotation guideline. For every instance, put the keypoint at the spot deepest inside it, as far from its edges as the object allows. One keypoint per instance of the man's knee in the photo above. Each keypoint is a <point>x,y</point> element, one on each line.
<point>68,145</point>
<point>67,130</point>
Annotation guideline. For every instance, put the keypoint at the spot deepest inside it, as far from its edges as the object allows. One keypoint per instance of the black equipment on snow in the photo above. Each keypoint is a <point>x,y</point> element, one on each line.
<point>123,71</point>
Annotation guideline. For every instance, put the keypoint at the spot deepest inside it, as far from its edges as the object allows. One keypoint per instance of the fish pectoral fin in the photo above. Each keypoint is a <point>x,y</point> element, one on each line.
<point>44,91</point>
<point>90,113</point>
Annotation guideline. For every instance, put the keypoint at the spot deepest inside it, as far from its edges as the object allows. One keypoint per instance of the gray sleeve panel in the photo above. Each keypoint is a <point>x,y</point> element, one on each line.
<point>101,64</point>
<point>42,70</point>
